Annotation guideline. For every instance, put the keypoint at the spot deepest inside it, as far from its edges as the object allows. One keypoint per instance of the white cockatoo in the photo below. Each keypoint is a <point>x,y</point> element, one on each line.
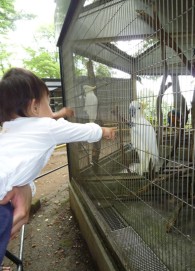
<point>143,140</point>
<point>91,102</point>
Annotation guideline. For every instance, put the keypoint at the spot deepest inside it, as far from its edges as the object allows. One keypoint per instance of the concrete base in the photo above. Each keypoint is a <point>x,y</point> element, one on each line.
<point>94,241</point>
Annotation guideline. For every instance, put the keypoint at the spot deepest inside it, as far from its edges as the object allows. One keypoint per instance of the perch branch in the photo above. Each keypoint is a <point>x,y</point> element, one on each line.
<point>172,220</point>
<point>155,181</point>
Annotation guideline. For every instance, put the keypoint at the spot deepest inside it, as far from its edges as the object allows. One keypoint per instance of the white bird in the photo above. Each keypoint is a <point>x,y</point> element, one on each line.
<point>91,102</point>
<point>143,140</point>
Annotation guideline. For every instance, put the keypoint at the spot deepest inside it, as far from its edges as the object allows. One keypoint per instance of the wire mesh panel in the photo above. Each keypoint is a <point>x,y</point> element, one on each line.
<point>131,64</point>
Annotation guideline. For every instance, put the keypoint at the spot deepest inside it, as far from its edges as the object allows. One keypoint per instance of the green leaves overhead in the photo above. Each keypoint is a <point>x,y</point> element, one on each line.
<point>44,60</point>
<point>41,56</point>
<point>43,63</point>
<point>8,16</point>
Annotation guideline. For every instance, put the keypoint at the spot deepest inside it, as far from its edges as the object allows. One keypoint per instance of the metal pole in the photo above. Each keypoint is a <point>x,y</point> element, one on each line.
<point>20,266</point>
<point>44,174</point>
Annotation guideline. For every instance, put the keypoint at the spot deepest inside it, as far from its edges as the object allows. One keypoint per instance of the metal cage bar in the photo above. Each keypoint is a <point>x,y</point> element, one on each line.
<point>139,54</point>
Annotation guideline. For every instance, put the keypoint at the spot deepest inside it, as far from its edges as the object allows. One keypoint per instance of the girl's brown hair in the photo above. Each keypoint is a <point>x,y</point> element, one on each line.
<point>18,88</point>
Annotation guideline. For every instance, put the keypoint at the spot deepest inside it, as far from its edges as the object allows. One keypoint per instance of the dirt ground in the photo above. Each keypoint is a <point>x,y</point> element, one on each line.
<point>52,237</point>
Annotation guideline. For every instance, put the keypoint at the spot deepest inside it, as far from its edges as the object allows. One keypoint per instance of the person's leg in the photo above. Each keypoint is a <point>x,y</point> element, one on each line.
<point>6,220</point>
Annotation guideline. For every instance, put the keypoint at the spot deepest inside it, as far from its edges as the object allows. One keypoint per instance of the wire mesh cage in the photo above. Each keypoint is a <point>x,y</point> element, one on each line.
<point>130,64</point>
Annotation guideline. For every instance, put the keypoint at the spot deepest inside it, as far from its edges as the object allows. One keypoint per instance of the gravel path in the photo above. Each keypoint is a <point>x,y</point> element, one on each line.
<point>52,237</point>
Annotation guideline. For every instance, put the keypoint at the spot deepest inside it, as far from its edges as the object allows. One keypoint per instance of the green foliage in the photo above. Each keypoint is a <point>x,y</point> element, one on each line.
<point>44,60</point>
<point>43,63</point>
<point>100,70</point>
<point>8,16</point>
<point>80,64</point>
<point>145,45</point>
<point>4,59</point>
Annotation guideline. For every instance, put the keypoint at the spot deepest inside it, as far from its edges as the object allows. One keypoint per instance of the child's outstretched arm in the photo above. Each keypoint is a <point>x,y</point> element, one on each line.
<point>64,112</point>
<point>109,133</point>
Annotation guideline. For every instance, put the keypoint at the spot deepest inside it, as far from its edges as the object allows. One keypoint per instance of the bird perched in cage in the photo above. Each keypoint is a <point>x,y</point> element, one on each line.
<point>173,118</point>
<point>143,140</point>
<point>176,119</point>
<point>91,102</point>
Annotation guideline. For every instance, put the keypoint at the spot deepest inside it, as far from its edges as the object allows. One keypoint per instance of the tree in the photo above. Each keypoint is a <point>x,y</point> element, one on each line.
<point>42,63</point>
<point>100,69</point>
<point>80,64</point>
<point>44,59</point>
<point>4,59</point>
<point>8,16</point>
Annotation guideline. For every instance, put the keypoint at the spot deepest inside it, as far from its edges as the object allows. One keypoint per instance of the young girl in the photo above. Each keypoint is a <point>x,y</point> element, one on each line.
<point>29,135</point>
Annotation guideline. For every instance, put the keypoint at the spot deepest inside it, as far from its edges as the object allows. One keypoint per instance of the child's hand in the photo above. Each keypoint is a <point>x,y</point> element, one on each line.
<point>64,112</point>
<point>69,112</point>
<point>108,133</point>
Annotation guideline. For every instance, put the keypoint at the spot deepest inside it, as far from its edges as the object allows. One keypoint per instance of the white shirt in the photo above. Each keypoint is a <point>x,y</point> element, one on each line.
<point>26,145</point>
